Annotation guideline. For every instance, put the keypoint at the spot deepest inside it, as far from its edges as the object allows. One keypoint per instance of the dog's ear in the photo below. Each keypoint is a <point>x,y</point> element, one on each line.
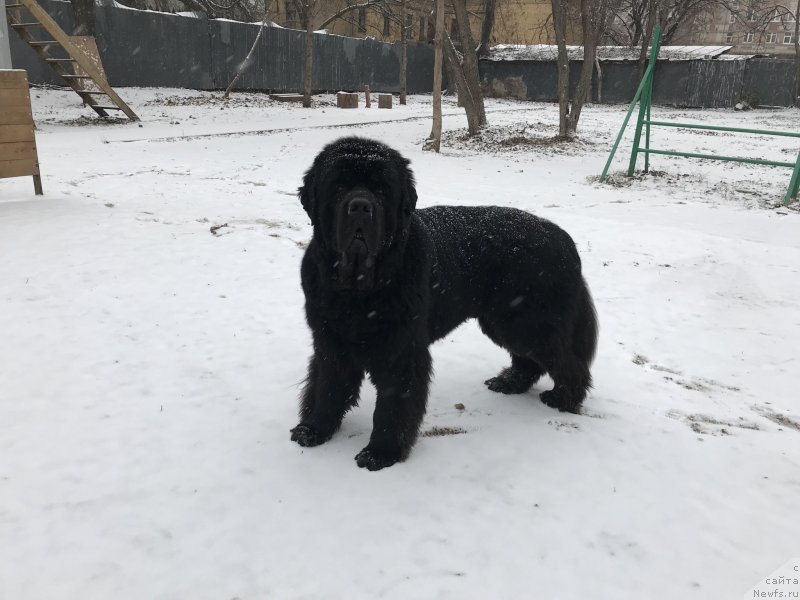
<point>306,194</point>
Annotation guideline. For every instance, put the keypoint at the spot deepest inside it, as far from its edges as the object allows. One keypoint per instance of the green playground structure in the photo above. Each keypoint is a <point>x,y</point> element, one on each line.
<point>644,96</point>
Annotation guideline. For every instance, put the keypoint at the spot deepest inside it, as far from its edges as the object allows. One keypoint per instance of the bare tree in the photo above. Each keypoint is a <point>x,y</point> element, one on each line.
<point>469,66</point>
<point>455,75</point>
<point>404,52</point>
<point>237,10</point>
<point>248,61</point>
<point>593,22</point>
<point>308,17</point>
<point>559,14</point>
<point>435,139</point>
<point>489,9</point>
<point>796,99</point>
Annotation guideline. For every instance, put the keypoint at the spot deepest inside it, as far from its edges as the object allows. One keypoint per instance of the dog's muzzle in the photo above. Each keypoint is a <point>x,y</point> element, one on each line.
<point>358,237</point>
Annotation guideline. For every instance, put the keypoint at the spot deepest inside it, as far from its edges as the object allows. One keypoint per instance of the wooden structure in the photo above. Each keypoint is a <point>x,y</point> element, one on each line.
<point>286,97</point>
<point>347,99</point>
<point>384,101</point>
<point>64,56</point>
<point>18,154</point>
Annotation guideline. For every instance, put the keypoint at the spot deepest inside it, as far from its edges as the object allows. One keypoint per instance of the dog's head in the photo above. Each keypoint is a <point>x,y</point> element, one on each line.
<point>360,196</point>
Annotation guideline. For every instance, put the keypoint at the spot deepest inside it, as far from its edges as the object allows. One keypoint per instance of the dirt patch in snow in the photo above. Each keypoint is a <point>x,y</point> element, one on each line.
<point>528,137</point>
<point>443,431</point>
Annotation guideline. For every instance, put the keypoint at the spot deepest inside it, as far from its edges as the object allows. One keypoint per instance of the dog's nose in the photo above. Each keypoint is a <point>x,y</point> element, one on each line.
<point>359,206</point>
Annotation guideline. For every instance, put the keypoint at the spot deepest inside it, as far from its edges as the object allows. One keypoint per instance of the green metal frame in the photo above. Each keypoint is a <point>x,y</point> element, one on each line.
<point>644,97</point>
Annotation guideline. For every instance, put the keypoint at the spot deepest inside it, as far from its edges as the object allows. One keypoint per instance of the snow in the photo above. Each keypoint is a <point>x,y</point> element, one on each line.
<point>549,52</point>
<point>150,369</point>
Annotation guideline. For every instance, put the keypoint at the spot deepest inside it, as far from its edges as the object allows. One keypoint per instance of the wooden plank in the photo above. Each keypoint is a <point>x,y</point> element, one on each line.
<point>16,133</point>
<point>18,168</point>
<point>18,151</point>
<point>13,84</point>
<point>11,78</point>
<point>14,98</point>
<point>18,115</point>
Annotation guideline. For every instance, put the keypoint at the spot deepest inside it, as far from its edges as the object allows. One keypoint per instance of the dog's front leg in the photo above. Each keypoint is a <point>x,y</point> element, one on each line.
<point>402,387</point>
<point>331,389</point>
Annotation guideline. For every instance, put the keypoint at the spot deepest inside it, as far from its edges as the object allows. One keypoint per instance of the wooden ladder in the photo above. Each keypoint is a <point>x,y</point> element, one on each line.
<point>100,101</point>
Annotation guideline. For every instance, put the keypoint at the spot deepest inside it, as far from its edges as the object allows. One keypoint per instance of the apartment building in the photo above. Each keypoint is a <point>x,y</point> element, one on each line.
<point>751,28</point>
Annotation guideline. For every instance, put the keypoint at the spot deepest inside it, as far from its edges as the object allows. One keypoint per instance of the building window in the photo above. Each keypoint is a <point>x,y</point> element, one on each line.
<point>771,37</point>
<point>749,37</point>
<point>752,14</point>
<point>386,25</point>
<point>788,37</point>
<point>454,28</point>
<point>362,19</point>
<point>729,38</point>
<point>423,29</point>
<point>732,18</point>
<point>409,26</point>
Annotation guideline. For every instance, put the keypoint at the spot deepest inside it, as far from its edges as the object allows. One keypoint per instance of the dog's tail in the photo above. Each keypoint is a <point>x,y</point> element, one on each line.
<point>586,327</point>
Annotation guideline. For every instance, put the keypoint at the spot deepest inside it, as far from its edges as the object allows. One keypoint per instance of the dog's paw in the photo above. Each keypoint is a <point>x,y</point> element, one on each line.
<point>507,385</point>
<point>558,400</point>
<point>375,460</point>
<point>307,436</point>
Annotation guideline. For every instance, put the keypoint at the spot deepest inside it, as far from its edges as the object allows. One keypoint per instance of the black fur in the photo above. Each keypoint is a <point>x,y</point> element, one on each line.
<point>383,281</point>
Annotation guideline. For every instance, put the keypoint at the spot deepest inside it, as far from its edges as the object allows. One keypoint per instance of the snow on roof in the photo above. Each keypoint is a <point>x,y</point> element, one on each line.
<point>546,52</point>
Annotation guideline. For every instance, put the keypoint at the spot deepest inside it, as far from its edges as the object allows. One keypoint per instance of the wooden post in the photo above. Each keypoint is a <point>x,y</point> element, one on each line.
<point>366,96</point>
<point>18,155</point>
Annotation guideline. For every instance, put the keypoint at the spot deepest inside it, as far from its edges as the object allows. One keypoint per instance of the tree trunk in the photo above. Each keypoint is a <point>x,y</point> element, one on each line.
<point>797,55</point>
<point>457,74</point>
<point>248,61</point>
<point>309,56</point>
<point>560,30</point>
<point>472,74</point>
<point>404,52</point>
<point>452,69</point>
<point>83,11</point>
<point>591,35</point>
<point>652,13</point>
<point>486,27</point>
<point>435,139</point>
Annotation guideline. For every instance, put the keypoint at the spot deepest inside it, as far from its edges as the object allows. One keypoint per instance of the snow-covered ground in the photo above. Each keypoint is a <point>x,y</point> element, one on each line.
<point>149,370</point>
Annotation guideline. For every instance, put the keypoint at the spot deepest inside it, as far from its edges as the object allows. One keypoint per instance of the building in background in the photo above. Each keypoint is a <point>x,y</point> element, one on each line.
<point>751,28</point>
<point>516,21</point>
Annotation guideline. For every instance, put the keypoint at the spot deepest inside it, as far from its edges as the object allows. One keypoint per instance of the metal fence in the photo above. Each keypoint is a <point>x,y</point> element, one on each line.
<point>142,48</point>
<point>688,83</point>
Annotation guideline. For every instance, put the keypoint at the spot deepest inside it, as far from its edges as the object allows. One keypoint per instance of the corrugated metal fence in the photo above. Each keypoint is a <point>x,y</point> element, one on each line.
<point>142,48</point>
<point>691,83</point>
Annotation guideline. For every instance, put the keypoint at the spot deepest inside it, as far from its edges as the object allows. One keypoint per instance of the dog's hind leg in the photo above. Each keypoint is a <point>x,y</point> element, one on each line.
<point>523,372</point>
<point>569,363</point>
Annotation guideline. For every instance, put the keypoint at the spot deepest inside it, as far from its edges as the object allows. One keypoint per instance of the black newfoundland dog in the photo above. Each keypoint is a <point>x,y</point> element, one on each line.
<point>383,281</point>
